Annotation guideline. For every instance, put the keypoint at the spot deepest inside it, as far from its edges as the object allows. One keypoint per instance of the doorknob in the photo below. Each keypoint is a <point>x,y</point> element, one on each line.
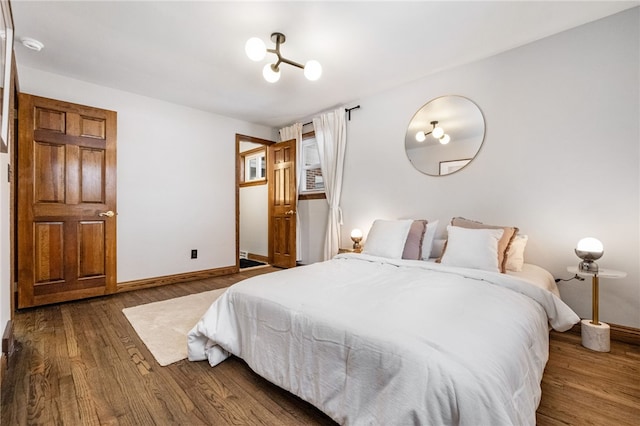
<point>290,212</point>
<point>106,214</point>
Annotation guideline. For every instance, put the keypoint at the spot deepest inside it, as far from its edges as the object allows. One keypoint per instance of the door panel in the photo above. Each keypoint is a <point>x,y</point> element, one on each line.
<point>92,175</point>
<point>92,127</point>
<point>53,121</point>
<point>49,164</point>
<point>91,249</point>
<point>66,179</point>
<point>282,203</point>
<point>49,247</point>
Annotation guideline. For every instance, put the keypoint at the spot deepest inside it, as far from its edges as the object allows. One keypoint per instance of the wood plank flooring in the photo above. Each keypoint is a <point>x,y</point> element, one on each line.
<point>81,363</point>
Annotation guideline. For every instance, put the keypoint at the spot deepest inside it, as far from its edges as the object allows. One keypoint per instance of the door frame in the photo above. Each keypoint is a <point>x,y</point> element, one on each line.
<point>13,189</point>
<point>266,143</point>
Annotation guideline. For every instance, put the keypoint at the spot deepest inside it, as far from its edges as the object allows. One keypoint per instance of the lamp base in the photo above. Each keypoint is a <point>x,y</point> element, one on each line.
<point>595,337</point>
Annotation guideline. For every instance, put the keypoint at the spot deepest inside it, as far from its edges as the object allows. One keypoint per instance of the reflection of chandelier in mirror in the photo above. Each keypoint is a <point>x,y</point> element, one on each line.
<point>256,51</point>
<point>436,131</point>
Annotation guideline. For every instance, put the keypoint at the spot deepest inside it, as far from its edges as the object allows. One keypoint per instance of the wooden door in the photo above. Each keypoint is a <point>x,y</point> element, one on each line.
<point>66,201</point>
<point>281,178</point>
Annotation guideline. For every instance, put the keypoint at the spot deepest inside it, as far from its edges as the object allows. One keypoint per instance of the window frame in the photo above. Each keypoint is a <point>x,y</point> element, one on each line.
<point>309,194</point>
<point>245,157</point>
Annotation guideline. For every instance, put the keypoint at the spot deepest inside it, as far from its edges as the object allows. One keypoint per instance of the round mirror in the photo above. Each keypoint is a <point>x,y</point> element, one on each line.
<point>444,135</point>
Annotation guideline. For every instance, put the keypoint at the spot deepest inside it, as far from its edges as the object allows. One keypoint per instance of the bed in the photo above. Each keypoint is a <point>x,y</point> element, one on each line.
<point>374,340</point>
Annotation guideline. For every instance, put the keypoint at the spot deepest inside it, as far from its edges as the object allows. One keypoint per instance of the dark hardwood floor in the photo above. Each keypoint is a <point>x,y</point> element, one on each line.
<point>81,363</point>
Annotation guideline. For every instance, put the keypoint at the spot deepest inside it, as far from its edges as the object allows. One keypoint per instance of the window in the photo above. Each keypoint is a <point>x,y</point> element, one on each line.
<point>312,180</point>
<point>253,165</point>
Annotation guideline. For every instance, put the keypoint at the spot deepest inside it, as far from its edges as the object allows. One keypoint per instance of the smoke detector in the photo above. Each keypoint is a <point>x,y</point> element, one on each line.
<point>31,43</point>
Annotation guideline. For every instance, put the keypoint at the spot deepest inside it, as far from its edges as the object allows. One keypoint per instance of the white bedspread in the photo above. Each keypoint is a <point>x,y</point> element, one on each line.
<point>371,341</point>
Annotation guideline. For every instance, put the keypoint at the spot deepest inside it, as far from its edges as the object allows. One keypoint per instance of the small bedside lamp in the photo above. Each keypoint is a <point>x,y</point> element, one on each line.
<point>596,335</point>
<point>589,249</point>
<point>356,236</point>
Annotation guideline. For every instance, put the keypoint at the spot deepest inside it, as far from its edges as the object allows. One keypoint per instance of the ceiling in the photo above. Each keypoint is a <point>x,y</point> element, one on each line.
<point>192,53</point>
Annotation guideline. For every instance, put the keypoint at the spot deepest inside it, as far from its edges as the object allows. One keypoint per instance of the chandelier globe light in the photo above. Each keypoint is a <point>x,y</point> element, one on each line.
<point>312,70</point>
<point>436,131</point>
<point>270,74</point>
<point>256,50</point>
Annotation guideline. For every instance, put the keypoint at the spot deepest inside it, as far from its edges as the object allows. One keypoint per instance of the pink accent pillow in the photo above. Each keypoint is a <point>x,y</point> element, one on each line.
<point>413,245</point>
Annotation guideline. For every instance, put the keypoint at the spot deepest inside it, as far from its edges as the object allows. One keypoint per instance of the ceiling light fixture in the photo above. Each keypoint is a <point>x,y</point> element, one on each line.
<point>31,43</point>
<point>436,131</point>
<point>256,51</point>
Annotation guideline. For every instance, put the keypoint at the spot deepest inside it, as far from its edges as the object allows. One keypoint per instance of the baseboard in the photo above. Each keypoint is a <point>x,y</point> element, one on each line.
<point>175,279</point>
<point>258,257</point>
<point>619,333</point>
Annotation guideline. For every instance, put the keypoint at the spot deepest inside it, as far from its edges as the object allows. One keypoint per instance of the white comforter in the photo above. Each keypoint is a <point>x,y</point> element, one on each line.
<point>371,341</point>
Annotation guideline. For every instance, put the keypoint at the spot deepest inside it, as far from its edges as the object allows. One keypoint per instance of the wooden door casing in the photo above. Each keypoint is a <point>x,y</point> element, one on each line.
<point>66,180</point>
<point>240,166</point>
<point>281,172</point>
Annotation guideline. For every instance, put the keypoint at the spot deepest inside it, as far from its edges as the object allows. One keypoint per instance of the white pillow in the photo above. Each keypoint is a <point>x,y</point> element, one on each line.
<point>386,238</point>
<point>427,241</point>
<point>472,248</point>
<point>437,248</point>
<point>515,254</point>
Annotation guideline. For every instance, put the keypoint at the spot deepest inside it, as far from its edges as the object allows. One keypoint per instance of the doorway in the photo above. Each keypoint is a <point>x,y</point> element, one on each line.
<point>252,223</point>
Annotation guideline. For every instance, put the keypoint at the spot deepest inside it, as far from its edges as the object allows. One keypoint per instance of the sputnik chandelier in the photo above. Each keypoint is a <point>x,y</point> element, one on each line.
<point>436,131</point>
<point>256,51</point>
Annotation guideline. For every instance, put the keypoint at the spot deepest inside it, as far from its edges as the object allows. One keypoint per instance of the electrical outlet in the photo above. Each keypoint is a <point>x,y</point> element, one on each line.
<point>194,254</point>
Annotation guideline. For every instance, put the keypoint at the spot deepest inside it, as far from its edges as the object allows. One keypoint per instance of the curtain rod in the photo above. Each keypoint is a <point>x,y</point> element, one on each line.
<point>347,110</point>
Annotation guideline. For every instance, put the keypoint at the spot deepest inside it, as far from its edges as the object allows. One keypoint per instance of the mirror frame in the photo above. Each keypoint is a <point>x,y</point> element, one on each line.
<point>466,119</point>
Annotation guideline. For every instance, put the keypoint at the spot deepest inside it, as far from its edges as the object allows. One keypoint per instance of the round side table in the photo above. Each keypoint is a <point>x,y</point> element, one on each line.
<point>596,335</point>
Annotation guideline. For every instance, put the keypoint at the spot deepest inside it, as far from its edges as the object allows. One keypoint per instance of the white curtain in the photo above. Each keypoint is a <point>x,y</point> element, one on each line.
<point>331,136</point>
<point>287,133</point>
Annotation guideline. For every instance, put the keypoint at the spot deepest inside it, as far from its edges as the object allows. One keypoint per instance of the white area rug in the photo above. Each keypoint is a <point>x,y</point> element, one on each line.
<point>163,326</point>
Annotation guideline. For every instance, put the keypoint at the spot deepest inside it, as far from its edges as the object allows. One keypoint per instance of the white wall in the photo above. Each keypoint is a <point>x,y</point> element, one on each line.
<point>254,220</point>
<point>176,177</point>
<point>560,158</point>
